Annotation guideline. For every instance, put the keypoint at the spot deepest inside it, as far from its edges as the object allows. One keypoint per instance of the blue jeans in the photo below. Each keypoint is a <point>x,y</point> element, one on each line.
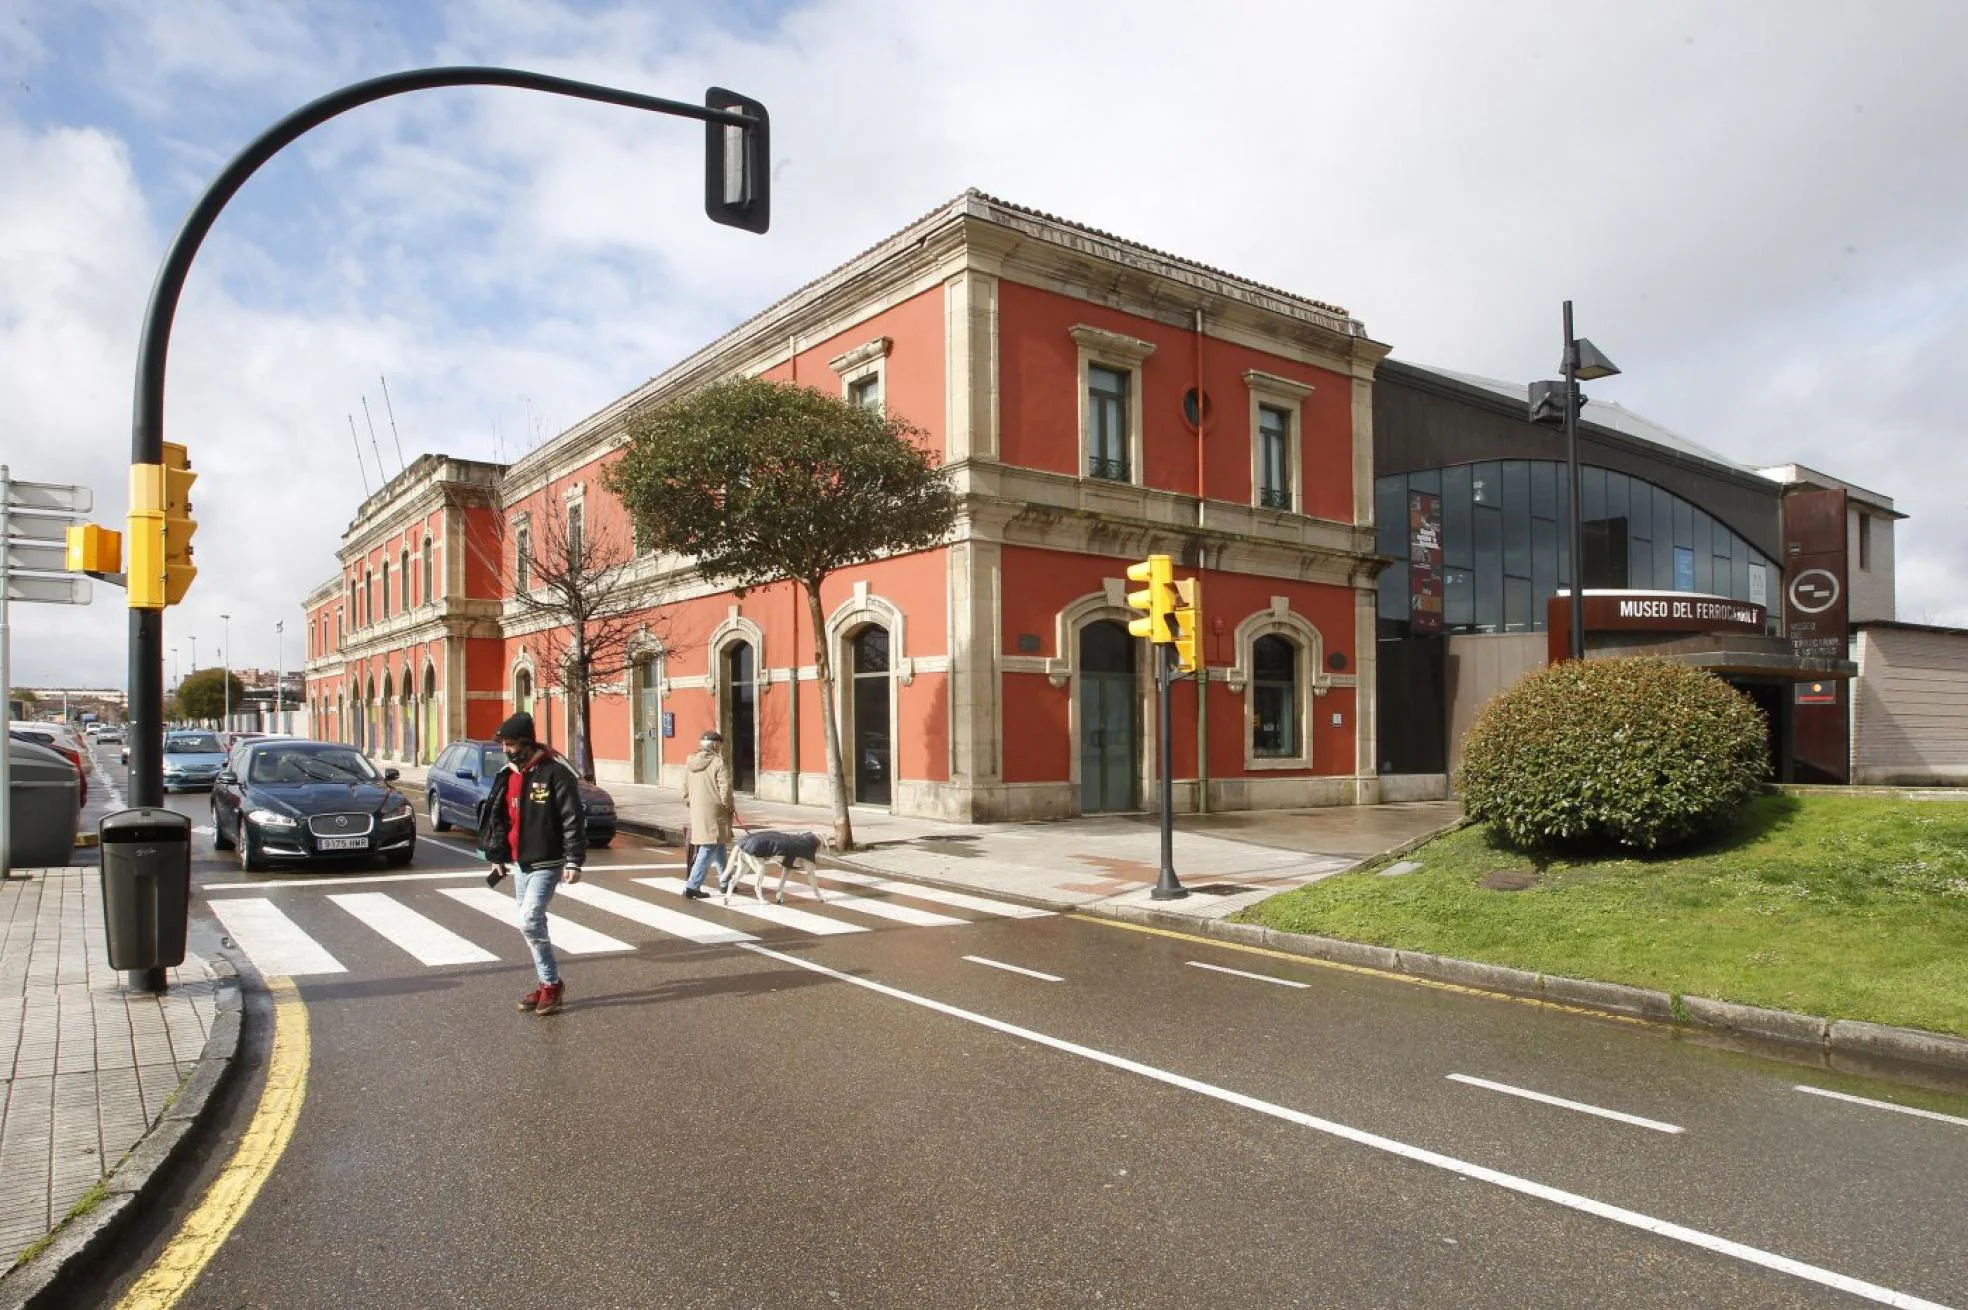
<point>700,865</point>
<point>532,889</point>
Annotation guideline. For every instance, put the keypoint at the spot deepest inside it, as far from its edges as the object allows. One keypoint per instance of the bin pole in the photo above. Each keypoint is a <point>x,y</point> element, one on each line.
<point>6,694</point>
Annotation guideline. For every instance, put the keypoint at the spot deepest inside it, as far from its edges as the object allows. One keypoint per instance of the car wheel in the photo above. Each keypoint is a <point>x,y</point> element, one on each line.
<point>250,859</point>
<point>602,841</point>
<point>219,839</point>
<point>401,859</point>
<point>438,822</point>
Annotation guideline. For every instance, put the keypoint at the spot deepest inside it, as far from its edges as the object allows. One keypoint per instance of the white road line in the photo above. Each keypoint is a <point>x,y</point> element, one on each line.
<point>1884,1105</point>
<point>1580,1106</point>
<point>1421,1155</point>
<point>1258,977</point>
<point>1014,968</point>
<point>599,868</point>
<point>880,909</point>
<point>567,935</point>
<point>783,915</point>
<point>275,942</point>
<point>962,900</point>
<point>427,941</point>
<point>652,916</point>
<point>341,882</point>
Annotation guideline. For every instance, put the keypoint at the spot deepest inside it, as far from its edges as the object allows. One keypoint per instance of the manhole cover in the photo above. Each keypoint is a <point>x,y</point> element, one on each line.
<point>1222,889</point>
<point>1509,880</point>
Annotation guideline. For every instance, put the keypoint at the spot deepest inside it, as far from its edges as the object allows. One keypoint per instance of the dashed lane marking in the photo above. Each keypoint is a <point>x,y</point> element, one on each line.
<point>1545,1099</point>
<point>1240,973</point>
<point>1645,1223</point>
<point>231,1194</point>
<point>1014,968</point>
<point>1884,1105</point>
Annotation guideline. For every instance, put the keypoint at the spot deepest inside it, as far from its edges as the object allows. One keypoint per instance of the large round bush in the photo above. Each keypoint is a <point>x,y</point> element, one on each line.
<point>1643,753</point>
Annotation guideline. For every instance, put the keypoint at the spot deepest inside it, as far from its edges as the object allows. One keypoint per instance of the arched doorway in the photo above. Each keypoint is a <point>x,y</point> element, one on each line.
<point>870,730</point>
<point>648,709</point>
<point>741,714</point>
<point>388,739</point>
<point>1109,737</point>
<point>433,731</point>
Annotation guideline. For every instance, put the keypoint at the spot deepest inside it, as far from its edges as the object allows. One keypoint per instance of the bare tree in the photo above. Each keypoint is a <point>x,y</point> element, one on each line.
<point>576,578</point>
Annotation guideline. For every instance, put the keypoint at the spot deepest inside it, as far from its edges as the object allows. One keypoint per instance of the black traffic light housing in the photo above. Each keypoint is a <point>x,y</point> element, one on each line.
<point>738,164</point>
<point>1548,404</point>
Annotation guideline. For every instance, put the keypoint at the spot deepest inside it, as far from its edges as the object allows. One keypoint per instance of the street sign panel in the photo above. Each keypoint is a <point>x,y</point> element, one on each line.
<point>34,557</point>
<point>50,496</point>
<point>36,526</point>
<point>48,591</point>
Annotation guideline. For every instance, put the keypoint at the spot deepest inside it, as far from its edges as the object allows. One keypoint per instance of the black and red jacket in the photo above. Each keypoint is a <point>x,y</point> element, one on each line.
<point>553,822</point>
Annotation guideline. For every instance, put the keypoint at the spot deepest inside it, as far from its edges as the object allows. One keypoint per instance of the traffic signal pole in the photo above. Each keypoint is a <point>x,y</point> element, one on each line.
<point>1167,886</point>
<point>736,194</point>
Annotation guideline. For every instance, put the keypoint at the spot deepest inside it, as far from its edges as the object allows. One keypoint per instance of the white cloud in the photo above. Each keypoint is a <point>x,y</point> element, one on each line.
<point>1755,207</point>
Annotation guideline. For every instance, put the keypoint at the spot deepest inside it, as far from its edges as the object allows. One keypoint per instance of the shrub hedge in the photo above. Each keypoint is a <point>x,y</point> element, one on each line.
<point>1642,753</point>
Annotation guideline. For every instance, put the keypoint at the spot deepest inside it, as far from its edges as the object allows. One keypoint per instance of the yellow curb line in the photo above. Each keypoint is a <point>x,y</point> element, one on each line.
<point>231,1194</point>
<point>1368,970</point>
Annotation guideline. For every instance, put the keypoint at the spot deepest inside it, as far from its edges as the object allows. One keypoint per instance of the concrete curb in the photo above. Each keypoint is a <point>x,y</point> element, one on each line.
<point>1843,1037</point>
<point>41,1282</point>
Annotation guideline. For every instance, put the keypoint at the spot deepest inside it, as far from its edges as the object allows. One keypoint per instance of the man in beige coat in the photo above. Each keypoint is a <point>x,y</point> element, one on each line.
<point>707,793</point>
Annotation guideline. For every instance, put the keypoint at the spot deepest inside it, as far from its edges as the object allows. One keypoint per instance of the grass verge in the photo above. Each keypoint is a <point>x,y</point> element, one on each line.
<point>1847,907</point>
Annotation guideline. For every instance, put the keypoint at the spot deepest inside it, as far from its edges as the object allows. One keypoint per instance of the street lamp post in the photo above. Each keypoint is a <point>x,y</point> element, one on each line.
<point>225,664</point>
<point>279,671</point>
<point>737,193</point>
<point>1583,363</point>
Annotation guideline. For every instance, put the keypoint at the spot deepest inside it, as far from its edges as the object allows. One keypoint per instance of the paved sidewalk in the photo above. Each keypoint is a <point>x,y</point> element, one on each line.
<point>1228,860</point>
<point>88,1066</point>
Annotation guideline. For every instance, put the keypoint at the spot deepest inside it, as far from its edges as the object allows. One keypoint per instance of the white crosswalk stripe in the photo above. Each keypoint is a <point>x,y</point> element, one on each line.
<point>880,909</point>
<point>427,941</point>
<point>962,900</point>
<point>274,942</point>
<point>568,936</point>
<point>653,916</point>
<point>783,915</point>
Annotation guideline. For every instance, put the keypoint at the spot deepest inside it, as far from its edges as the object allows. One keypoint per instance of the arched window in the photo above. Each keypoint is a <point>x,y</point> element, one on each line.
<point>430,595</point>
<point>368,598</point>
<point>523,692</point>
<point>1275,697</point>
<point>403,572</point>
<point>386,588</point>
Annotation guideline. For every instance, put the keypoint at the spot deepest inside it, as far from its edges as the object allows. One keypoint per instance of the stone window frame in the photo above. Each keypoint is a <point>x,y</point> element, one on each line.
<point>1310,678</point>
<point>522,535</point>
<point>1122,353</point>
<point>866,361</point>
<point>574,502</point>
<point>1268,390</point>
<point>426,568</point>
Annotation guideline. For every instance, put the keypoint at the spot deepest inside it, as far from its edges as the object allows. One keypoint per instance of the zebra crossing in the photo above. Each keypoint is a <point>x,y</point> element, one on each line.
<point>274,937</point>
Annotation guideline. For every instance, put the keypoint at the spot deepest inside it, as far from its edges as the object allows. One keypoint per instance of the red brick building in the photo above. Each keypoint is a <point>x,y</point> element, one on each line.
<point>1057,370</point>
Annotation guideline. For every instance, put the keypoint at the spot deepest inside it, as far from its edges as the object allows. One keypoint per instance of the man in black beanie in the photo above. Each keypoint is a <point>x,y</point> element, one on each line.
<point>534,820</point>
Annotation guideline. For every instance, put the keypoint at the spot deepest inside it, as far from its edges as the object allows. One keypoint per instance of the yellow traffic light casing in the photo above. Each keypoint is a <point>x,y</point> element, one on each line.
<point>1188,622</point>
<point>1156,601</point>
<point>161,528</point>
<point>93,549</point>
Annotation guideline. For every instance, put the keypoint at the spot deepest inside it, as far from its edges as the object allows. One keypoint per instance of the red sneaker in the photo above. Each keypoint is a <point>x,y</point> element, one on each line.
<point>531,1001</point>
<point>550,1002</point>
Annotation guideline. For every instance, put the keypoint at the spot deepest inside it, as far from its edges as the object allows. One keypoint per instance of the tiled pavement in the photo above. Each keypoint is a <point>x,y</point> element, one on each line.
<point>87,1066</point>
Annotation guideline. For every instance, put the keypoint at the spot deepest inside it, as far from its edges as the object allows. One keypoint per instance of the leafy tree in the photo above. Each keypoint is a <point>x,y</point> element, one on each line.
<point>765,482</point>
<point>202,694</point>
<point>26,696</point>
<point>578,584</point>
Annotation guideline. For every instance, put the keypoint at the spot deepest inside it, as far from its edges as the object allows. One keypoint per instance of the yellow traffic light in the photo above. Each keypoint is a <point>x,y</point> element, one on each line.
<point>1156,601</point>
<point>1188,622</point>
<point>161,527</point>
<point>93,549</point>
<point>178,523</point>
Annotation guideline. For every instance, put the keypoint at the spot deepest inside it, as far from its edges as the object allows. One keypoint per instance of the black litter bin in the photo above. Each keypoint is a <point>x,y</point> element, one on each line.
<point>146,890</point>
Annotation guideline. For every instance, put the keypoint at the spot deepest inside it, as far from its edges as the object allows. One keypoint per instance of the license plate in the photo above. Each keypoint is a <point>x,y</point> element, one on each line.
<point>341,843</point>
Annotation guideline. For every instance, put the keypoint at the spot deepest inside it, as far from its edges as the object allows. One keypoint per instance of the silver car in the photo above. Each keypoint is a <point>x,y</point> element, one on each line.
<point>192,759</point>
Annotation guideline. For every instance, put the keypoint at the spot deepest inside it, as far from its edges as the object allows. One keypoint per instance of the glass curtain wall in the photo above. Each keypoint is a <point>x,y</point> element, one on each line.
<point>1505,552</point>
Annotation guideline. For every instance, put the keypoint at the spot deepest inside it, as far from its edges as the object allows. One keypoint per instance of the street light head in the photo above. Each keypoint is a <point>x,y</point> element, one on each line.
<point>1592,364</point>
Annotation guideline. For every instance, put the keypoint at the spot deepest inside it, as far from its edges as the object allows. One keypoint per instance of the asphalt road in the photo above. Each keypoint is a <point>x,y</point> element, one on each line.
<point>754,1123</point>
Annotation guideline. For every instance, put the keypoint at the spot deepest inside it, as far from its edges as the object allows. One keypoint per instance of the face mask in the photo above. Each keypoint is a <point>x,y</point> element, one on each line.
<point>515,753</point>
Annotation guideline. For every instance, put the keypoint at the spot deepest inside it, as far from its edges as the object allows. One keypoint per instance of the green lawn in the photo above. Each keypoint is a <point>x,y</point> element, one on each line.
<point>1845,906</point>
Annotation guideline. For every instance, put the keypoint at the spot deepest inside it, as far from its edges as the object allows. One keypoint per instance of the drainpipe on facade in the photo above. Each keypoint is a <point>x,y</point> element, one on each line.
<point>793,694</point>
<point>1202,672</point>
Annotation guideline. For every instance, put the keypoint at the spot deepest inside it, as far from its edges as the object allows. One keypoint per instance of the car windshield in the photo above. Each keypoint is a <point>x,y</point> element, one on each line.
<point>193,743</point>
<point>296,766</point>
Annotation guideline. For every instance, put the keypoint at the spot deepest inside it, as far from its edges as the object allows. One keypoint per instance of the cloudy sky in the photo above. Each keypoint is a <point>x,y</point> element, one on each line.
<point>1758,207</point>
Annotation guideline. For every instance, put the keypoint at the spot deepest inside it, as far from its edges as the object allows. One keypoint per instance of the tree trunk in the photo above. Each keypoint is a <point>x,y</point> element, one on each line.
<point>836,777</point>
<point>583,707</point>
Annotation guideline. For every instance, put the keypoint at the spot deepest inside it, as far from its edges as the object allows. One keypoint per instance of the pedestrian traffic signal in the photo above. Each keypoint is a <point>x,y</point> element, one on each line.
<point>1548,404</point>
<point>1156,601</point>
<point>161,528</point>
<point>94,550</point>
<point>738,164</point>
<point>1188,621</point>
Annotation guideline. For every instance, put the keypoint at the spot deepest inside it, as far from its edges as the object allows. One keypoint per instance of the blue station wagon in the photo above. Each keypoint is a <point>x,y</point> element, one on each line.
<point>459,781</point>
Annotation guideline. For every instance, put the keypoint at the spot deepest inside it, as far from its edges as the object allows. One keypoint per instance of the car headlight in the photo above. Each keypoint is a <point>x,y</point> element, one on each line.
<point>271,819</point>
<point>399,816</point>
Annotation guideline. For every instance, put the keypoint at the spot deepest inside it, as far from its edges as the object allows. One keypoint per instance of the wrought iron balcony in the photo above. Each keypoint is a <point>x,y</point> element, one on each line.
<point>1113,470</point>
<point>1275,497</point>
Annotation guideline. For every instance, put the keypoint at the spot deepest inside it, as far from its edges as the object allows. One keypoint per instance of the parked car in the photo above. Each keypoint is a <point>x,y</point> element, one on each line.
<point>283,800</point>
<point>192,759</point>
<point>34,734</point>
<point>110,735</point>
<point>457,783</point>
